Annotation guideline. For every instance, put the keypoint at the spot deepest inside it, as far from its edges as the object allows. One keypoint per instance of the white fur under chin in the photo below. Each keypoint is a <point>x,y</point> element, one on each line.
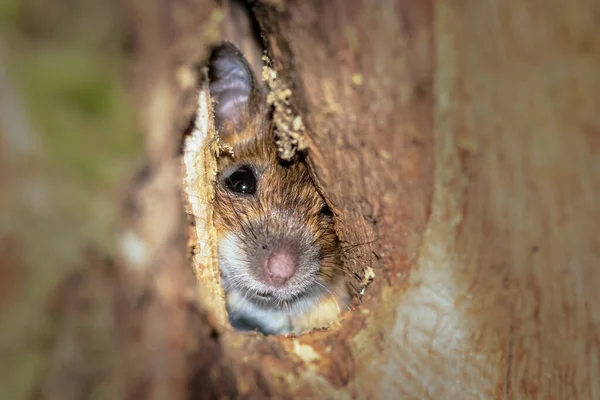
<point>270,321</point>
<point>233,266</point>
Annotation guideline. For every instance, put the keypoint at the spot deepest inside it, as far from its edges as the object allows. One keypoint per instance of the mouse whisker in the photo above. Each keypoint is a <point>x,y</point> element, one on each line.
<point>324,287</point>
<point>239,219</point>
<point>352,246</point>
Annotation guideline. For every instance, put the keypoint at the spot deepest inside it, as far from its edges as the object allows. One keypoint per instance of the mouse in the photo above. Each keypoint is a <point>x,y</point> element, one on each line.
<point>278,251</point>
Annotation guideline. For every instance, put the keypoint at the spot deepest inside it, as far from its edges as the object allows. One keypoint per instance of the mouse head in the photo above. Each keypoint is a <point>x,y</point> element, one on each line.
<point>276,240</point>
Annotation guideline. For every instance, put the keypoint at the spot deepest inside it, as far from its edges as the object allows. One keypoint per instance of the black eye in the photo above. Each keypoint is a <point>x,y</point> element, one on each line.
<point>242,181</point>
<point>326,211</point>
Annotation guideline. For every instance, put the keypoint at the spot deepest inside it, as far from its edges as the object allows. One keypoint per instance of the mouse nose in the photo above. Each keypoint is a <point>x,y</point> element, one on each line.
<point>280,266</point>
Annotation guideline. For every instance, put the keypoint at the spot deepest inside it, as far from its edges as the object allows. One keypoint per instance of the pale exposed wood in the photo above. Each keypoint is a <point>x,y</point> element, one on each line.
<point>200,166</point>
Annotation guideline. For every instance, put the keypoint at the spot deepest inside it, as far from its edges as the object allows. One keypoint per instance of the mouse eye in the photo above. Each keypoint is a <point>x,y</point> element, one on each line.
<point>326,211</point>
<point>242,181</point>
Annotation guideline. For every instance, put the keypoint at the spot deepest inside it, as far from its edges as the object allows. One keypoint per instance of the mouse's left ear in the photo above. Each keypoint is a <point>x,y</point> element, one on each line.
<point>232,88</point>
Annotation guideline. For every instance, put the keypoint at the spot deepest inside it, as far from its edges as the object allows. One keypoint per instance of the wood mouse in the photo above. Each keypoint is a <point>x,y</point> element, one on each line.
<point>278,251</point>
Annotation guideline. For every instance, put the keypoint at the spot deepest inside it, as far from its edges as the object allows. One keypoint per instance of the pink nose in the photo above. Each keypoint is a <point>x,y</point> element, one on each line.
<point>280,266</point>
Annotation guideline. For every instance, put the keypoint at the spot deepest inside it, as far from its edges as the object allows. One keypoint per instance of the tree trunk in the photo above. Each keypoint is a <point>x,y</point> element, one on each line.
<point>458,144</point>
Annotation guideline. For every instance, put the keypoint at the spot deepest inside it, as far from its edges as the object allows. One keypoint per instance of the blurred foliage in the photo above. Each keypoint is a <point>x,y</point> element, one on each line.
<point>65,59</point>
<point>66,64</point>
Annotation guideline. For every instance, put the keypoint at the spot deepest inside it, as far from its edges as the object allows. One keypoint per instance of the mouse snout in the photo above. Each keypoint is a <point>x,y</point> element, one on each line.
<point>280,266</point>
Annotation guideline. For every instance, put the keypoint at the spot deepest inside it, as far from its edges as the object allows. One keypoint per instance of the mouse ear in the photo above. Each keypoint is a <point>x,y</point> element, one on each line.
<point>231,85</point>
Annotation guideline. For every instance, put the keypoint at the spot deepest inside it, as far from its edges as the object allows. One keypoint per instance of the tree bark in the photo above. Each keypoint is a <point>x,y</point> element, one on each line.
<point>456,142</point>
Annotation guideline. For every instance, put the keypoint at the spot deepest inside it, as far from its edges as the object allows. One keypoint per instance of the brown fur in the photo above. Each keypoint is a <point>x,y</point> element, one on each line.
<point>281,187</point>
<point>285,214</point>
